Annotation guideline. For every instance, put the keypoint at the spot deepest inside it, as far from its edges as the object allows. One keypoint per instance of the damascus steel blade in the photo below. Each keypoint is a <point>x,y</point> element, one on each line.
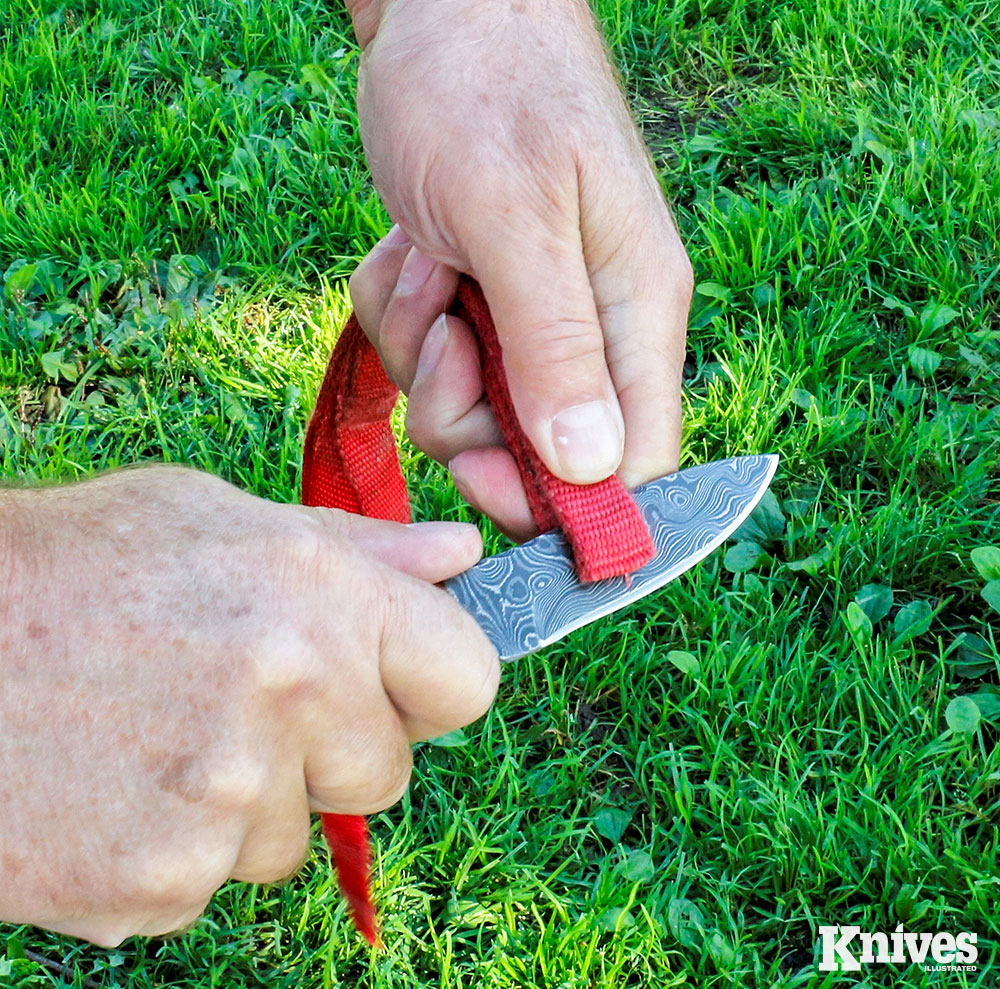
<point>530,596</point>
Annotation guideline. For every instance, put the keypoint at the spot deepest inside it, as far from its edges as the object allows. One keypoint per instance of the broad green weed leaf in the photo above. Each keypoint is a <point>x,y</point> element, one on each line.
<point>924,362</point>
<point>705,316</point>
<point>541,782</point>
<point>234,408</point>
<point>316,77</point>
<point>229,181</point>
<point>55,366</point>
<point>470,913</point>
<point>743,556</point>
<point>962,715</point>
<point>803,399</point>
<point>905,900</point>
<point>812,564</point>
<point>686,922</point>
<point>880,151</point>
<point>912,620</point>
<point>721,950</point>
<point>615,919</point>
<point>909,907</point>
<point>984,122</point>
<point>705,144</point>
<point>891,302</point>
<point>858,623</point>
<point>684,661</point>
<point>875,600</point>
<point>987,699</point>
<point>974,656</point>
<point>639,867</point>
<point>973,357</point>
<point>18,278</point>
<point>991,594</point>
<point>713,290</point>
<point>611,822</point>
<point>764,294</point>
<point>766,522</point>
<point>52,362</point>
<point>986,559</point>
<point>935,316</point>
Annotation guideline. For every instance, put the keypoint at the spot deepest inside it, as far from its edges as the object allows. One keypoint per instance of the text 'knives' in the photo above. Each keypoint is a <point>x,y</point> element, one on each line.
<point>530,596</point>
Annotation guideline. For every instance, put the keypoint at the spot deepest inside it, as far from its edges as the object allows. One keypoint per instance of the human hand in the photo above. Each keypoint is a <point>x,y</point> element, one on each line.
<point>186,671</point>
<point>499,140</point>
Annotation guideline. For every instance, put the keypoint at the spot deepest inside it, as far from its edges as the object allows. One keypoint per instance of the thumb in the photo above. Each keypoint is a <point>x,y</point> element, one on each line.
<point>542,303</point>
<point>430,551</point>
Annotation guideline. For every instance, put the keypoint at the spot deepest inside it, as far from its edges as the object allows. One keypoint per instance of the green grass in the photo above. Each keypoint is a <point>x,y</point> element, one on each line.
<point>833,167</point>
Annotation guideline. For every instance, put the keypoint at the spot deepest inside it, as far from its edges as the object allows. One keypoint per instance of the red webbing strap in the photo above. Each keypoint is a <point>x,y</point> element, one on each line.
<point>350,459</point>
<point>350,462</point>
<point>601,522</point>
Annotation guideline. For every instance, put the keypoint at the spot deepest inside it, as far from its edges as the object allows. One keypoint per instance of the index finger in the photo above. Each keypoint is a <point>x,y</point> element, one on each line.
<point>438,668</point>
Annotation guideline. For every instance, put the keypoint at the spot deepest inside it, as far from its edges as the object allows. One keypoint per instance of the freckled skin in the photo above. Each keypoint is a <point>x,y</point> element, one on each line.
<point>170,668</point>
<point>170,714</point>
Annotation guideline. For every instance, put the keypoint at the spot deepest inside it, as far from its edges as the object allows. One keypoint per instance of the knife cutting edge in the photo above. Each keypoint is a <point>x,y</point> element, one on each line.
<point>530,596</point>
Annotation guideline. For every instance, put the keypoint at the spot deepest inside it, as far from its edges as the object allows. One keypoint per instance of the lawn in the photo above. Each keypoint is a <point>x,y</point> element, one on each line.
<point>801,731</point>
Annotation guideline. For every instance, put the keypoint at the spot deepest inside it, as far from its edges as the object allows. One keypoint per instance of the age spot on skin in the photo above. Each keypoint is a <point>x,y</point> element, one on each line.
<point>36,630</point>
<point>177,775</point>
<point>12,866</point>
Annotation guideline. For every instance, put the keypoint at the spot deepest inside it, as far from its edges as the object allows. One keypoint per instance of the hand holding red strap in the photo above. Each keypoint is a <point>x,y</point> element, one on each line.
<point>350,462</point>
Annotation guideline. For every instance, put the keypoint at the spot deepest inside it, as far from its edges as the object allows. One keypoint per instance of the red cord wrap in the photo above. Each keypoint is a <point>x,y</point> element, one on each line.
<point>350,462</point>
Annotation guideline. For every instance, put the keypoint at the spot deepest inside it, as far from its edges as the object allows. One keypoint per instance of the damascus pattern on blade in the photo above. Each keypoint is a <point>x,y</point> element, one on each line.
<point>529,596</point>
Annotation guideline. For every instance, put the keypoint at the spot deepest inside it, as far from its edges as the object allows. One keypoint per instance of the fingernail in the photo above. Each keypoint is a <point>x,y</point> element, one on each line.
<point>432,348</point>
<point>396,237</point>
<point>589,440</point>
<point>416,270</point>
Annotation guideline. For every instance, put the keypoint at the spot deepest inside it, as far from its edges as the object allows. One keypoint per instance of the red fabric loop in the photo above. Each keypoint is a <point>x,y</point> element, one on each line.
<point>351,462</point>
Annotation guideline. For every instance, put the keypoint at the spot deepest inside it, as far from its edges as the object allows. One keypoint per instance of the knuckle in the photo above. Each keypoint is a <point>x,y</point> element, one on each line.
<point>474,698</point>
<point>176,925</point>
<point>418,426</point>
<point>239,786</point>
<point>178,881</point>
<point>393,611</point>
<point>275,858</point>
<point>555,344</point>
<point>481,698</point>
<point>289,859</point>
<point>303,544</point>
<point>424,430</point>
<point>284,660</point>
<point>368,287</point>
<point>395,785</point>
<point>109,934</point>
<point>388,781</point>
<point>684,278</point>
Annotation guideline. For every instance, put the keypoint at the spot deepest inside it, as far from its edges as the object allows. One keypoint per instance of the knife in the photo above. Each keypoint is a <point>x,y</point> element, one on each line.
<point>529,596</point>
